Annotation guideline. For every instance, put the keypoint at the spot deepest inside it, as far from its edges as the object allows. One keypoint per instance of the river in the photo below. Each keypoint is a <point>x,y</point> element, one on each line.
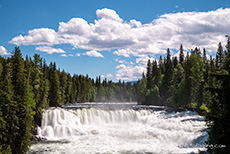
<point>119,128</point>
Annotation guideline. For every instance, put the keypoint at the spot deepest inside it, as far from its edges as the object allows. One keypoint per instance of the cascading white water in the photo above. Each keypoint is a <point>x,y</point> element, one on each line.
<point>120,131</point>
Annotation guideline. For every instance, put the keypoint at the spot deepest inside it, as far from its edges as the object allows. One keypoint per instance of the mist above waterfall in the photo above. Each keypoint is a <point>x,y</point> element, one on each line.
<point>120,131</point>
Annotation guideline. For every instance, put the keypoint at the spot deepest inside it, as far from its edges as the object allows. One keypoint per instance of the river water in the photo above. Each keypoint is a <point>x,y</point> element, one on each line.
<point>110,128</point>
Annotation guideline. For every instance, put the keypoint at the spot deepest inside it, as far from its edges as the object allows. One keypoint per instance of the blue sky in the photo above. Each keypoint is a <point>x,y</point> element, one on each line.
<point>111,38</point>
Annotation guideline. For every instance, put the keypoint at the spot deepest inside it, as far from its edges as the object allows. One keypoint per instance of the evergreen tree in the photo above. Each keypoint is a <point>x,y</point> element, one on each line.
<point>55,94</point>
<point>8,109</point>
<point>181,56</point>
<point>218,127</point>
<point>63,86</point>
<point>175,62</point>
<point>204,56</point>
<point>161,65</point>
<point>157,74</point>
<point>219,56</point>
<point>177,87</point>
<point>24,112</point>
<point>149,75</point>
<point>166,83</point>
<point>141,88</point>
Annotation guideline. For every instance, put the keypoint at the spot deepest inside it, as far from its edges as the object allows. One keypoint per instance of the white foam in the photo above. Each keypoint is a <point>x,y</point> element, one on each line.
<point>99,131</point>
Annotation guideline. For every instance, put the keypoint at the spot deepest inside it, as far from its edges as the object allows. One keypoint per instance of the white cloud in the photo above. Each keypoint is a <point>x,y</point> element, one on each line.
<point>133,38</point>
<point>93,53</point>
<point>42,36</point>
<point>144,60</point>
<point>109,31</point>
<point>122,52</point>
<point>77,54</point>
<point>3,51</point>
<point>109,75</point>
<point>129,72</point>
<point>120,66</point>
<point>64,55</point>
<point>49,50</point>
<point>108,14</point>
<point>71,55</point>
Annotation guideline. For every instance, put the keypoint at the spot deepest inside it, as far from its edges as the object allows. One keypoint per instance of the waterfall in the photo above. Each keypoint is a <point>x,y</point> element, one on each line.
<point>121,131</point>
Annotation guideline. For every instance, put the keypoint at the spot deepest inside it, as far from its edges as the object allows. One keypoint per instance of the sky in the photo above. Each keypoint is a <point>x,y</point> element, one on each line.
<point>111,38</point>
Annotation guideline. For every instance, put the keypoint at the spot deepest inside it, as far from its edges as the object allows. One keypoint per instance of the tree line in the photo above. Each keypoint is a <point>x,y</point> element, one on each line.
<point>29,85</point>
<point>193,81</point>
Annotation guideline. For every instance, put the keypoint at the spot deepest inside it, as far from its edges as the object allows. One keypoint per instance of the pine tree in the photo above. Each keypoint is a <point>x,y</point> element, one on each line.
<point>175,62</point>
<point>69,92</point>
<point>55,94</point>
<point>177,87</point>
<point>219,56</point>
<point>157,74</point>
<point>161,65</point>
<point>181,56</point>
<point>218,127</point>
<point>149,75</point>
<point>166,83</point>
<point>188,82</point>
<point>204,56</point>
<point>63,86</point>
<point>8,108</point>
<point>24,113</point>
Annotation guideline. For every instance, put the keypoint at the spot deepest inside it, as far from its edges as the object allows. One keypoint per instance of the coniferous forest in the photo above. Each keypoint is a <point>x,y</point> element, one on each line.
<point>28,86</point>
<point>192,81</point>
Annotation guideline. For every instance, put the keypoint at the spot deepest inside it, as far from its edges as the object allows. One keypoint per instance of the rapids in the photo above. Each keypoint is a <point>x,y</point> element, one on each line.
<point>95,130</point>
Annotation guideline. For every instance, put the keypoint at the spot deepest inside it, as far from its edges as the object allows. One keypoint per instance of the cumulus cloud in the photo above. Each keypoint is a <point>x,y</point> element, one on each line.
<point>129,72</point>
<point>42,36</point>
<point>144,60</point>
<point>64,55</point>
<point>109,31</point>
<point>108,14</point>
<point>133,38</point>
<point>93,53</point>
<point>77,54</point>
<point>49,50</point>
<point>109,75</point>
<point>3,51</point>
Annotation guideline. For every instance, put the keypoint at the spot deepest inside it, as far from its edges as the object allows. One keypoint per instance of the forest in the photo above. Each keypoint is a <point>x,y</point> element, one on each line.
<point>196,82</point>
<point>193,81</point>
<point>28,86</point>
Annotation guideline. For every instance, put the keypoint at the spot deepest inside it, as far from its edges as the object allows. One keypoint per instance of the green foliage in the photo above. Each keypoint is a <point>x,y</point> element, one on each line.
<point>55,94</point>
<point>197,83</point>
<point>28,86</point>
<point>203,107</point>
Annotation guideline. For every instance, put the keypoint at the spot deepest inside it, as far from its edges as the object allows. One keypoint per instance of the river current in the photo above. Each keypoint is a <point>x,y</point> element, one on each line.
<point>119,129</point>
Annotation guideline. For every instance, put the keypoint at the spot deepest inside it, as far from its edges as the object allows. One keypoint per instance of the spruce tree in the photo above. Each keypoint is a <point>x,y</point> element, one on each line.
<point>63,85</point>
<point>219,56</point>
<point>9,125</point>
<point>24,112</point>
<point>166,83</point>
<point>55,94</point>
<point>181,56</point>
<point>149,75</point>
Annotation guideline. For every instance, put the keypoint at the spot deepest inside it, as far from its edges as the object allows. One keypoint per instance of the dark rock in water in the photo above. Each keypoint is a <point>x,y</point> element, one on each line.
<point>38,139</point>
